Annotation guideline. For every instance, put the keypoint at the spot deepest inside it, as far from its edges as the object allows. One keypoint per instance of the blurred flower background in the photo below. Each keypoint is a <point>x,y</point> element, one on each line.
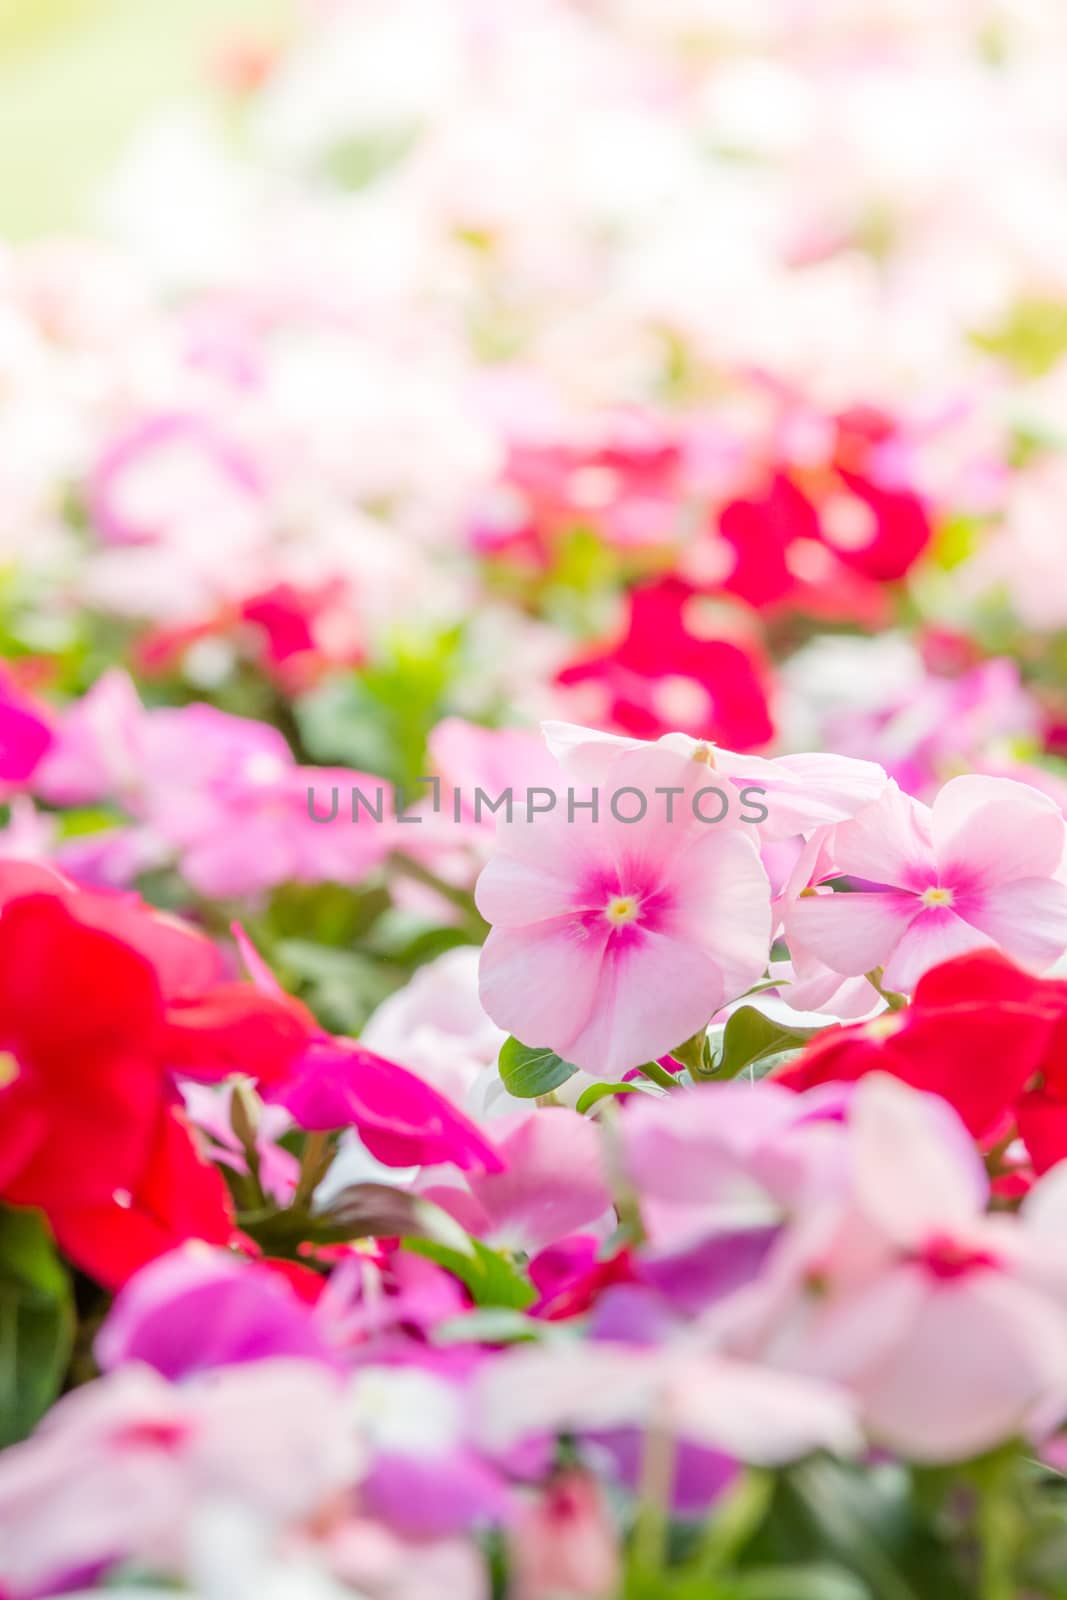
<point>390,1201</point>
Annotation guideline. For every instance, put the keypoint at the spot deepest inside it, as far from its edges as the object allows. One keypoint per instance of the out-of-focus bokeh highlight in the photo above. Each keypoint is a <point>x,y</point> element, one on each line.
<point>77,77</point>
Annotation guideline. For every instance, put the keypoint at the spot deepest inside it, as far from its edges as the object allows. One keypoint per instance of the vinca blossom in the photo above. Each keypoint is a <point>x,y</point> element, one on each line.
<point>612,942</point>
<point>979,867</point>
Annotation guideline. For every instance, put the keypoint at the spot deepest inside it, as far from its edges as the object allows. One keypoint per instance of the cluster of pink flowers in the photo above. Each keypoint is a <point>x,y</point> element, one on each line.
<point>533,818</point>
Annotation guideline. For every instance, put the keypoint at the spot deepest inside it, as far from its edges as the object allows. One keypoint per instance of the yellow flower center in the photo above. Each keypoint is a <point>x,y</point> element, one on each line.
<point>622,908</point>
<point>9,1068</point>
<point>936,896</point>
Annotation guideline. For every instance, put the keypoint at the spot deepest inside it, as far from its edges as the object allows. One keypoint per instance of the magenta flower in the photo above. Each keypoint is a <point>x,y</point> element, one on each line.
<point>198,1308</point>
<point>978,868</point>
<point>614,941</point>
<point>25,733</point>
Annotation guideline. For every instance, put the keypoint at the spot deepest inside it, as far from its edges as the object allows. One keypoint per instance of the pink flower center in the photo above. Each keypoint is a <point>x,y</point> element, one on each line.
<point>945,1257</point>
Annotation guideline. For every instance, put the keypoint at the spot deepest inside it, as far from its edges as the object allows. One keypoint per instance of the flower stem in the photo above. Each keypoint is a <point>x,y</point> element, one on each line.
<point>654,1500</point>
<point>657,1074</point>
<point>476,924</point>
<point>895,1002</point>
<point>318,1153</point>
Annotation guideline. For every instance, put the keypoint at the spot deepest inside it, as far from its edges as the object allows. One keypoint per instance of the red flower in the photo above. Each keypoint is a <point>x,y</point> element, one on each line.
<point>177,1195</point>
<point>825,540</point>
<point>89,1129</point>
<point>81,1016</point>
<point>661,676</point>
<point>988,1037</point>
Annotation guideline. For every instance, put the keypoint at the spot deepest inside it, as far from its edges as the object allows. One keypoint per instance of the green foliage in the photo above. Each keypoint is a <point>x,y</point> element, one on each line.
<point>751,1038</point>
<point>36,1322</point>
<point>491,1278</point>
<point>379,719</point>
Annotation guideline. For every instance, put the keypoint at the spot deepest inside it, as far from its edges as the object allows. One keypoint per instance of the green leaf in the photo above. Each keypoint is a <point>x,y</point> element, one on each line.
<point>356,162</point>
<point>600,1091</point>
<point>492,1279</point>
<point>749,1036</point>
<point>36,1322</point>
<point>528,1073</point>
<point>815,1582</point>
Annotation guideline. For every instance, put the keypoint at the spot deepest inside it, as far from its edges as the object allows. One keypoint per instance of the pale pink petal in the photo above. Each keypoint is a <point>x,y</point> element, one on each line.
<point>888,843</point>
<point>721,902</point>
<point>851,933</point>
<point>690,1146</point>
<point>512,894</point>
<point>935,935</point>
<point>554,1183</point>
<point>806,791</point>
<point>915,1171</point>
<point>992,830</point>
<point>542,983</point>
<point>586,753</point>
<point>1026,918</point>
<point>654,993</point>
<point>757,1414</point>
<point>985,1353</point>
<point>531,1391</point>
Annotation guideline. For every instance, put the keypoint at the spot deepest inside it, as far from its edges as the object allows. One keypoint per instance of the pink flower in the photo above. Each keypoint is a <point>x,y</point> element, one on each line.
<point>173,476</point>
<point>613,942</point>
<point>554,1184</point>
<point>948,1326</point>
<point>121,1468</point>
<point>978,868</point>
<point>222,792</point>
<point>401,1120</point>
<point>753,1413</point>
<point>198,1308</point>
<point>564,1542</point>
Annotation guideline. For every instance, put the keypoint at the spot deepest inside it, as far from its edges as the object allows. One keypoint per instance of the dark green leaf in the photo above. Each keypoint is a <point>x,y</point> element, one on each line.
<point>529,1072</point>
<point>749,1036</point>
<point>36,1322</point>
